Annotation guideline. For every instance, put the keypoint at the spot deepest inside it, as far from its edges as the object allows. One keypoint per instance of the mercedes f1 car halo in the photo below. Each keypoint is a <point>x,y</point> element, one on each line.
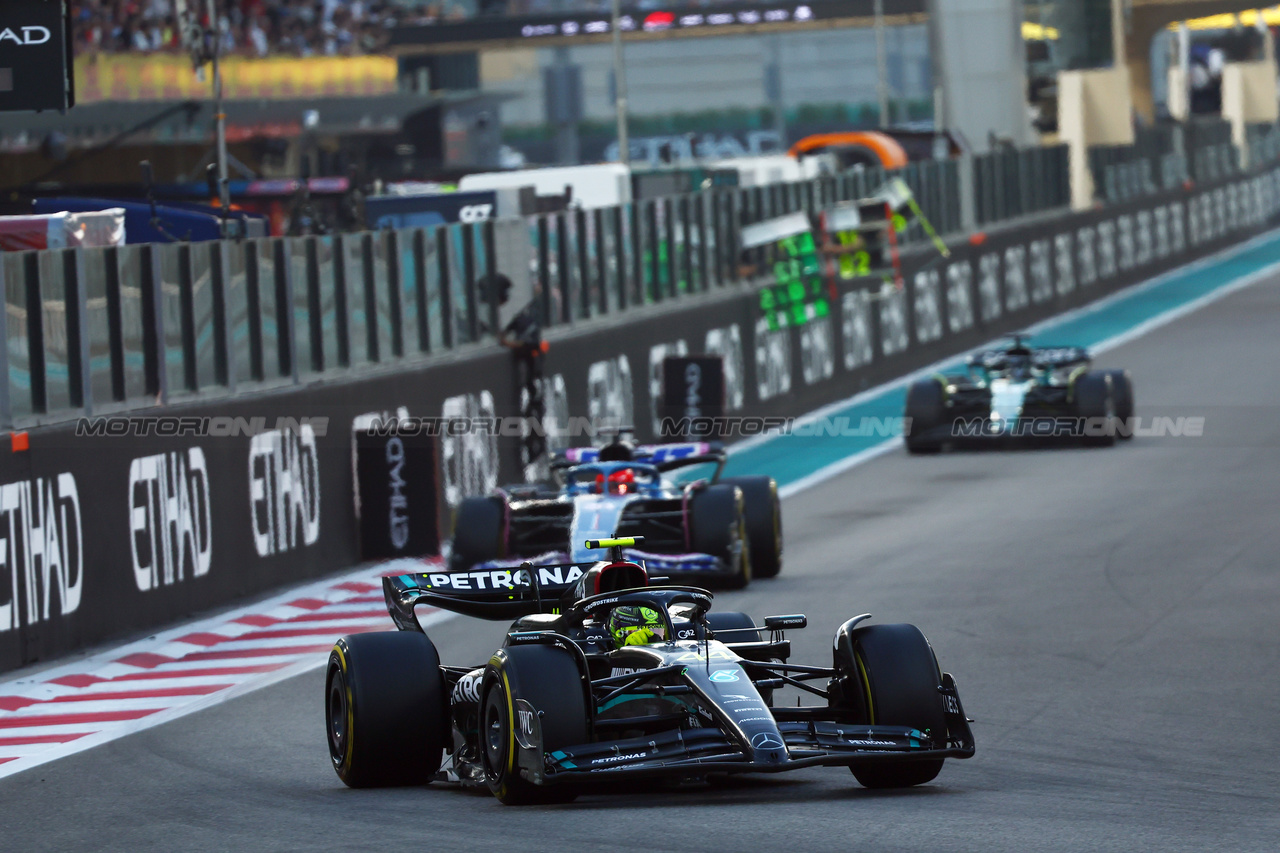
<point>1020,393</point>
<point>710,530</point>
<point>564,703</point>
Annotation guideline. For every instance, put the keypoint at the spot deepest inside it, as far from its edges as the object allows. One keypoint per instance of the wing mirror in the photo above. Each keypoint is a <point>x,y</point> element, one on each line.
<point>782,623</point>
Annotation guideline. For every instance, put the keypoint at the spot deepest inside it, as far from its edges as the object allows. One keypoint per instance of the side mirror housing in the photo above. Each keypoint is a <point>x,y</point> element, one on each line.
<point>783,623</point>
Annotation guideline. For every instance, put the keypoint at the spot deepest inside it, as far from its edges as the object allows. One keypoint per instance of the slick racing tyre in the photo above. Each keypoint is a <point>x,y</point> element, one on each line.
<point>1095,406</point>
<point>926,407</point>
<point>763,512</point>
<point>478,532</point>
<point>548,679</point>
<point>1122,393</point>
<point>730,621</point>
<point>717,526</point>
<point>900,673</point>
<point>385,709</point>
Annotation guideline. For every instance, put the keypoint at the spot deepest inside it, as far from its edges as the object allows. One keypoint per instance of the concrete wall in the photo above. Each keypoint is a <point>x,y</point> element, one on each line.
<point>1094,108</point>
<point>1249,96</point>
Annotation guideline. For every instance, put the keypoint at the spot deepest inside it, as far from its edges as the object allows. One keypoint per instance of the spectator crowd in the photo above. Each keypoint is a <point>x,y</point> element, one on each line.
<point>260,28</point>
<point>257,27</point>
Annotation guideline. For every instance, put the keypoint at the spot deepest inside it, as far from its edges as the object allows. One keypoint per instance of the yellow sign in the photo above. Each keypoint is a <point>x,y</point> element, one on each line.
<point>1038,32</point>
<point>170,77</point>
<point>1271,17</point>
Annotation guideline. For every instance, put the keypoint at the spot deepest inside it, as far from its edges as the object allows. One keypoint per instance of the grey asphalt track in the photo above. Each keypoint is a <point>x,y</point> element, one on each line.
<point>1110,615</point>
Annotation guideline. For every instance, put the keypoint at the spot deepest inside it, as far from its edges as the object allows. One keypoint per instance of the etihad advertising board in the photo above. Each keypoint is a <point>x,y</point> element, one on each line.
<point>35,51</point>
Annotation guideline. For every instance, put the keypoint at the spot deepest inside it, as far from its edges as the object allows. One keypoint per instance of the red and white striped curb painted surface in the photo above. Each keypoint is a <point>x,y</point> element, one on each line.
<point>81,704</point>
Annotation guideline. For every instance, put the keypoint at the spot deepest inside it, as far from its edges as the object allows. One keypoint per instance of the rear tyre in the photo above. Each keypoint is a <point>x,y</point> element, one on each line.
<point>479,533</point>
<point>902,676</point>
<point>926,409</point>
<point>549,680</point>
<point>1095,406</point>
<point>763,511</point>
<point>731,621</point>
<point>386,709</point>
<point>1122,394</point>
<point>717,526</point>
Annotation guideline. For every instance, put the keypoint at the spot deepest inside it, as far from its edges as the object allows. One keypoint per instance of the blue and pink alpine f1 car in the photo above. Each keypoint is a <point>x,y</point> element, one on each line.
<point>696,526</point>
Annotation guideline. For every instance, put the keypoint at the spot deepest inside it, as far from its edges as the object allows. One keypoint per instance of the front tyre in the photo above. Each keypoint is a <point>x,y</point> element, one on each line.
<point>549,680</point>
<point>899,670</point>
<point>385,709</point>
<point>926,411</point>
<point>1122,393</point>
<point>1096,408</point>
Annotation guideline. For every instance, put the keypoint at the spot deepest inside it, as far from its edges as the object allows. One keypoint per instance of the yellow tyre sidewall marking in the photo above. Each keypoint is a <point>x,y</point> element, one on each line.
<point>348,749</point>
<point>866,684</point>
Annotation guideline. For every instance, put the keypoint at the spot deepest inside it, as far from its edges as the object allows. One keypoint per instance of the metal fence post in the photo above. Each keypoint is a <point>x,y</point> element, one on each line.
<point>620,234</point>
<point>563,275</point>
<point>115,324</point>
<point>488,238</point>
<point>583,260</point>
<point>469,281</point>
<point>186,303</point>
<point>286,332</point>
<point>340,307</point>
<point>223,353</point>
<point>446,286</point>
<point>35,333</point>
<point>157,378</point>
<point>393,292</point>
<point>420,289</point>
<point>602,261</point>
<point>253,304</point>
<point>77,314</point>
<point>370,288</point>
<point>315,317</point>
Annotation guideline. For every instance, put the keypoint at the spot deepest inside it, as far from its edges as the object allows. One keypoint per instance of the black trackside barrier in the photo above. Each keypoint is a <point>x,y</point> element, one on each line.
<point>396,488</point>
<point>145,522</point>
<point>234,498</point>
<point>693,389</point>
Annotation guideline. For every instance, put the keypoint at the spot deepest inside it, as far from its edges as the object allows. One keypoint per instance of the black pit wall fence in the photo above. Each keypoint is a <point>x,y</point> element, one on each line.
<point>105,536</point>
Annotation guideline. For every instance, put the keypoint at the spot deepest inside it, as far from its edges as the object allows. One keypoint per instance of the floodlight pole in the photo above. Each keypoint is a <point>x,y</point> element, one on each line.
<point>620,85</point>
<point>219,114</point>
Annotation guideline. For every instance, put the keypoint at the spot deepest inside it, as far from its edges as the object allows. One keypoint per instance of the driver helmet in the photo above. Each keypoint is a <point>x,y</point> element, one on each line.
<point>635,626</point>
<point>621,482</point>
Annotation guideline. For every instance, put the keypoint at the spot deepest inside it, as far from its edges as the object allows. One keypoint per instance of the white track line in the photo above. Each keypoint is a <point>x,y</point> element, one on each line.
<point>114,693</point>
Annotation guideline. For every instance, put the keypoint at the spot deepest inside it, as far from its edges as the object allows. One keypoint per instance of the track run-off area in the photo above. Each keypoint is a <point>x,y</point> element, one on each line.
<point>1109,614</point>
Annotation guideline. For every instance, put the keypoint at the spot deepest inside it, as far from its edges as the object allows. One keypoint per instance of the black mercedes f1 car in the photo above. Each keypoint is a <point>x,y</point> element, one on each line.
<point>564,703</point>
<point>1020,393</point>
